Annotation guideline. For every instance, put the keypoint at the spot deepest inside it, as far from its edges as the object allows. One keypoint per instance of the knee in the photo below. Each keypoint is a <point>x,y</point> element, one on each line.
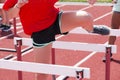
<point>86,19</point>
<point>84,14</point>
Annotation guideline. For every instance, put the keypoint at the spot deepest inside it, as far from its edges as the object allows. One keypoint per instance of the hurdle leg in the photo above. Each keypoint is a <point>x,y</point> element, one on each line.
<point>19,57</point>
<point>108,52</point>
<point>14,25</point>
<point>79,75</point>
<point>53,60</point>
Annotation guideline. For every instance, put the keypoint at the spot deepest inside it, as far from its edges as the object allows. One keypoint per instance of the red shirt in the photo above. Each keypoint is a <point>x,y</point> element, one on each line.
<point>35,15</point>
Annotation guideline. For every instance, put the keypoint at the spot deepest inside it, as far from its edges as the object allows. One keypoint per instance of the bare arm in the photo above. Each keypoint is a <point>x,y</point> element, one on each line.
<point>14,11</point>
<point>92,2</point>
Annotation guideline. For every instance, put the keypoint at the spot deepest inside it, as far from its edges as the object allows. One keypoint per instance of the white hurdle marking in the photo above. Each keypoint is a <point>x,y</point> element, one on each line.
<point>72,45</point>
<point>25,41</point>
<point>44,68</point>
<point>80,30</point>
<point>82,46</point>
<point>115,32</point>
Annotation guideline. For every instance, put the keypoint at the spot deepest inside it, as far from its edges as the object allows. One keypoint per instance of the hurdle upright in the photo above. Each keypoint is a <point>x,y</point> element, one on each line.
<point>19,57</point>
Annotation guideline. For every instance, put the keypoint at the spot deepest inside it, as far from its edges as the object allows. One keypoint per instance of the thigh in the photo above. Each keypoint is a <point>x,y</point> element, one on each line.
<point>72,19</point>
<point>115,23</point>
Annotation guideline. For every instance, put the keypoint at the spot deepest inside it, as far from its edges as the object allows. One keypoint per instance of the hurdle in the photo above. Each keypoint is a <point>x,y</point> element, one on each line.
<point>76,46</point>
<point>45,68</point>
<point>28,42</point>
<point>87,47</point>
<point>15,35</point>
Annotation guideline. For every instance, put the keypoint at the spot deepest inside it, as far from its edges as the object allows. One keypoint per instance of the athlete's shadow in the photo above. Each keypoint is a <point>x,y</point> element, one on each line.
<point>116,61</point>
<point>9,34</point>
<point>3,33</point>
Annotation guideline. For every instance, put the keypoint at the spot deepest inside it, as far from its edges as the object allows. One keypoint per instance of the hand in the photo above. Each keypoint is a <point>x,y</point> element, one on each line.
<point>21,3</point>
<point>114,1</point>
<point>92,2</point>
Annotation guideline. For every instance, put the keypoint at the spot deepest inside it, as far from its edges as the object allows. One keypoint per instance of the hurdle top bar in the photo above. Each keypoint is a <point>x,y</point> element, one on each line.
<point>72,45</point>
<point>80,30</point>
<point>83,46</point>
<point>44,68</point>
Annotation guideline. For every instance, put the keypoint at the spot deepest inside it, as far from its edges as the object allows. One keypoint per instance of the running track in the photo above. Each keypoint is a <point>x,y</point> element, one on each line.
<point>92,60</point>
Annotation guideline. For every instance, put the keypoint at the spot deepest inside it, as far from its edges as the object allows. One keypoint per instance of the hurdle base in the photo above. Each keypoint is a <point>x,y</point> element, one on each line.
<point>14,50</point>
<point>26,49</point>
<point>8,49</point>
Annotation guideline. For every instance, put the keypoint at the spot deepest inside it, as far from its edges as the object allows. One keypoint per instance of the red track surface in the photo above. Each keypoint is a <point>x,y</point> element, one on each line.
<point>66,57</point>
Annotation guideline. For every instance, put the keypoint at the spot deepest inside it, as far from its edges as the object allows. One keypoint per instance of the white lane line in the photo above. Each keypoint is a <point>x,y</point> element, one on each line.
<point>102,16</point>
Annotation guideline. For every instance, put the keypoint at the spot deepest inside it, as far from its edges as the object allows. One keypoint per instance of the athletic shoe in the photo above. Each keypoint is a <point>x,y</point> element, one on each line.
<point>1,27</point>
<point>101,29</point>
<point>104,58</point>
<point>5,28</point>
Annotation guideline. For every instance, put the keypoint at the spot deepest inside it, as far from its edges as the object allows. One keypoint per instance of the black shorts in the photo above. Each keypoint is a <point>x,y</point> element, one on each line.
<point>44,37</point>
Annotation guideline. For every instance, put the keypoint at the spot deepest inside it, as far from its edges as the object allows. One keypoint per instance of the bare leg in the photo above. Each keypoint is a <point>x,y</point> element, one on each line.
<point>1,1</point>
<point>115,24</point>
<point>5,25</point>
<point>42,55</point>
<point>4,14</point>
<point>72,19</point>
<point>5,17</point>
